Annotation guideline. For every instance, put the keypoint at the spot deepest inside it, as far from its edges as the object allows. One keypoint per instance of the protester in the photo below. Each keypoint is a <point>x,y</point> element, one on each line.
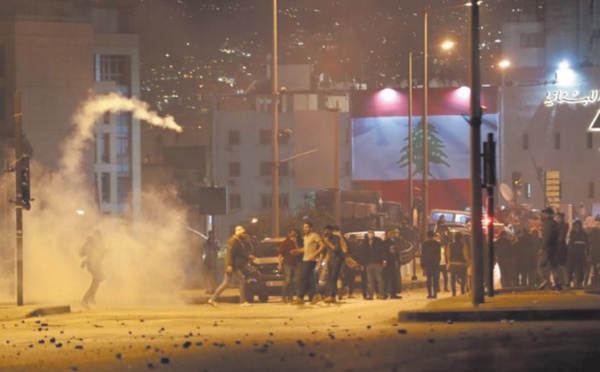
<point>239,255</point>
<point>430,262</point>
<point>92,253</point>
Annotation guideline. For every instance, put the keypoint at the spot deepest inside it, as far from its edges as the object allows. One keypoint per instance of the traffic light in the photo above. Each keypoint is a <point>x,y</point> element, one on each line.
<point>517,180</point>
<point>25,183</point>
<point>489,162</point>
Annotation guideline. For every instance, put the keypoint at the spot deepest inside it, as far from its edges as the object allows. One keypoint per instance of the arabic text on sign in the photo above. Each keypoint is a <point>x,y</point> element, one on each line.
<point>559,97</point>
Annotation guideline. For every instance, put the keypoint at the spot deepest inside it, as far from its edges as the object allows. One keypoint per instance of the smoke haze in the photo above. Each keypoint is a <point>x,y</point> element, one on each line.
<point>144,259</point>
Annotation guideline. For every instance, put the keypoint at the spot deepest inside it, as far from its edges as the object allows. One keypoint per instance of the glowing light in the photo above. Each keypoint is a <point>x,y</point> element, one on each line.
<point>254,220</point>
<point>463,93</point>
<point>388,96</point>
<point>80,212</point>
<point>448,44</point>
<point>565,75</point>
<point>505,63</point>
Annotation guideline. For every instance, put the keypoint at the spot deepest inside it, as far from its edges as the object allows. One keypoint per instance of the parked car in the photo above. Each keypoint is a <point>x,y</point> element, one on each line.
<point>263,279</point>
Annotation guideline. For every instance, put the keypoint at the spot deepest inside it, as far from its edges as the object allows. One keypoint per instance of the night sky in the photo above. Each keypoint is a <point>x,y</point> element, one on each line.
<point>197,47</point>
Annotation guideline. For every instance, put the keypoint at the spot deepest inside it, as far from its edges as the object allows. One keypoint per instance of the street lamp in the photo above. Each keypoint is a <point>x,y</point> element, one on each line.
<point>274,104</point>
<point>503,65</point>
<point>447,45</point>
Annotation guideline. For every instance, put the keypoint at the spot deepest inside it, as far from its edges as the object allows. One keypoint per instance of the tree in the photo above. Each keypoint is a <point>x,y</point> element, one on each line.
<point>435,146</point>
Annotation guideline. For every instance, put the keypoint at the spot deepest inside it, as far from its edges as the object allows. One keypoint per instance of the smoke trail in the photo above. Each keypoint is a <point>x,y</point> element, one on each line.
<point>87,115</point>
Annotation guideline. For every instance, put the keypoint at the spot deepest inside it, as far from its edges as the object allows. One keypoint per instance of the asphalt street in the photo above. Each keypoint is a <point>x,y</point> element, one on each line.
<point>354,335</point>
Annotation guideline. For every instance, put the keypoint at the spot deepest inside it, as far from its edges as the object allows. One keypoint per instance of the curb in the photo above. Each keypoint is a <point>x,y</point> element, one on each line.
<point>525,315</point>
<point>52,310</point>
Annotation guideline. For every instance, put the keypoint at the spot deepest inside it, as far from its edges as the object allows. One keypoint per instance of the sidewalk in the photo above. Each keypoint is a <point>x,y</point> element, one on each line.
<point>512,306</point>
<point>12,312</point>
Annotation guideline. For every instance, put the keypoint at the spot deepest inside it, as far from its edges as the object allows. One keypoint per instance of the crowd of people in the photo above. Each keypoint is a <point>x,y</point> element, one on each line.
<point>554,254</point>
<point>324,266</point>
<point>321,266</point>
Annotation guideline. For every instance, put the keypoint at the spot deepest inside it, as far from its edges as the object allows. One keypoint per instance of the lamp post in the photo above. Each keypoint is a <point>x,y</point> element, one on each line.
<point>337,191</point>
<point>410,160</point>
<point>410,149</point>
<point>504,64</point>
<point>424,182</point>
<point>476,181</point>
<point>275,104</point>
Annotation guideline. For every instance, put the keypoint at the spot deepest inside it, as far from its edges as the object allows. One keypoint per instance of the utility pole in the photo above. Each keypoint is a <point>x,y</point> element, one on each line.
<point>337,205</point>
<point>425,181</point>
<point>476,193</point>
<point>410,160</point>
<point>275,106</point>
<point>19,196</point>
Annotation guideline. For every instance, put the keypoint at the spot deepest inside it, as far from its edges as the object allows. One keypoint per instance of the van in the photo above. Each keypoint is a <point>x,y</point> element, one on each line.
<point>451,216</point>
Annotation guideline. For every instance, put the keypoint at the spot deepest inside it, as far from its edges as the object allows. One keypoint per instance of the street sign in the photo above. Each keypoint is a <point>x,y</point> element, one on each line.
<point>552,188</point>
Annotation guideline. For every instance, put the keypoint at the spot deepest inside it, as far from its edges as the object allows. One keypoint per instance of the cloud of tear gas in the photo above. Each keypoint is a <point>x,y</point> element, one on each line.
<point>144,260</point>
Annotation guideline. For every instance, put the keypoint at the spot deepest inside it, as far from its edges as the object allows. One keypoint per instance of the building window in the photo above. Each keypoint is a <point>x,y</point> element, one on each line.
<point>525,141</point>
<point>590,141</point>
<point>557,141</point>
<point>591,192</point>
<point>105,187</point>
<point>234,138</point>
<point>284,137</point>
<point>235,201</point>
<point>284,201</point>
<point>104,148</point>
<point>113,68</point>
<point>235,169</point>
<point>123,143</point>
<point>266,168</point>
<point>265,137</point>
<point>266,201</point>
<point>123,190</point>
<point>532,40</point>
<point>284,169</point>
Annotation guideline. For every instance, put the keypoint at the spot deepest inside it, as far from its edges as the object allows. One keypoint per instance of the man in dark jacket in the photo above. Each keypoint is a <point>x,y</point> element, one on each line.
<point>431,251</point>
<point>562,250</point>
<point>548,260</point>
<point>458,263</point>
<point>579,248</point>
<point>594,236</point>
<point>238,256</point>
<point>503,248</point>
<point>374,260</point>
<point>393,245</point>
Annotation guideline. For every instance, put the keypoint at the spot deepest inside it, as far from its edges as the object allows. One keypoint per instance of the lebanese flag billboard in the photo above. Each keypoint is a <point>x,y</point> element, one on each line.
<point>380,143</point>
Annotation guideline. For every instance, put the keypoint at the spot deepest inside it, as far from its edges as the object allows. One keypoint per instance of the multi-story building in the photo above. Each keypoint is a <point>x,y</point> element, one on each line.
<point>549,103</point>
<point>242,151</point>
<point>55,52</point>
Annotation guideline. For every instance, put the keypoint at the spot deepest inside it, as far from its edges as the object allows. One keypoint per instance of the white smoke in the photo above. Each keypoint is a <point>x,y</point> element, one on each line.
<point>87,115</point>
<point>144,259</point>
